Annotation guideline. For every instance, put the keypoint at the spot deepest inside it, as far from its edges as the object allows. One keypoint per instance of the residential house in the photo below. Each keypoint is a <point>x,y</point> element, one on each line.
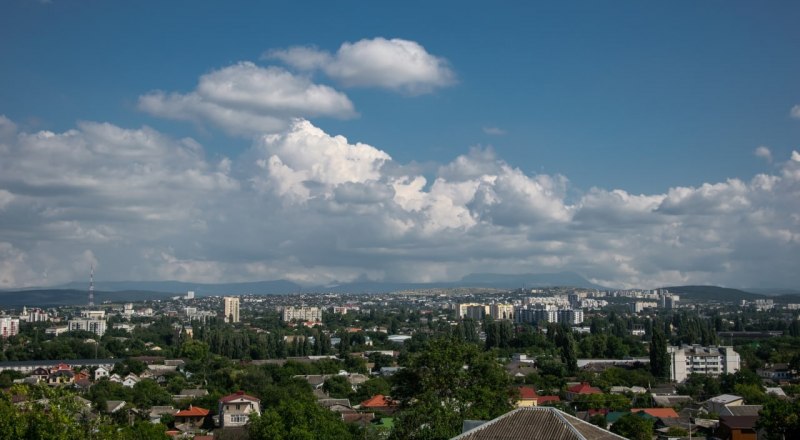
<point>337,405</point>
<point>527,397</point>
<point>130,380</point>
<point>544,400</point>
<point>41,374</point>
<point>113,406</point>
<point>659,413</point>
<point>191,419</point>
<point>235,409</point>
<point>740,410</point>
<point>737,428</point>
<point>380,403</point>
<point>101,372</point>
<point>581,389</point>
<point>776,372</point>
<point>157,412</point>
<point>717,404</point>
<point>60,377</point>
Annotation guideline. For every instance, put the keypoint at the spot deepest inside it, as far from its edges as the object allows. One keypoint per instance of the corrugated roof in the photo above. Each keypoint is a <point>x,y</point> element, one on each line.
<point>537,423</point>
<point>741,410</point>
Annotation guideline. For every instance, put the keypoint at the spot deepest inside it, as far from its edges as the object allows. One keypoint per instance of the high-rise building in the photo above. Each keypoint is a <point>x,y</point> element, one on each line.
<point>231,309</point>
<point>502,311</point>
<point>302,314</point>
<point>696,359</point>
<point>9,326</point>
<point>96,326</point>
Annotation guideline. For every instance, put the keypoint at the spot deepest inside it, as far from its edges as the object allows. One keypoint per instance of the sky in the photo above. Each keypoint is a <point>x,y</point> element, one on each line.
<point>636,144</point>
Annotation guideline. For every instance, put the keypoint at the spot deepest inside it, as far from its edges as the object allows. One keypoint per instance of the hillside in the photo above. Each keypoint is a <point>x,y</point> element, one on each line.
<point>714,293</point>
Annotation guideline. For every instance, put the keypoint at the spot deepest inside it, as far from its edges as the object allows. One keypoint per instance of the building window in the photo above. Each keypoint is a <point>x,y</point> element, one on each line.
<point>238,418</point>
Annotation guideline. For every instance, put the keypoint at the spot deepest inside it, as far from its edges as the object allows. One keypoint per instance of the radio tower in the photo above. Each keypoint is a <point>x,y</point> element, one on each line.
<point>91,287</point>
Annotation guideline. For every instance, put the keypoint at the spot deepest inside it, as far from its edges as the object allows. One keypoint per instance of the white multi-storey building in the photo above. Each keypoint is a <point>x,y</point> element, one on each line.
<point>93,314</point>
<point>33,315</point>
<point>696,359</point>
<point>501,311</point>
<point>9,326</point>
<point>473,310</point>
<point>231,308</point>
<point>302,314</point>
<point>570,316</point>
<point>639,306</point>
<point>548,313</point>
<point>96,326</point>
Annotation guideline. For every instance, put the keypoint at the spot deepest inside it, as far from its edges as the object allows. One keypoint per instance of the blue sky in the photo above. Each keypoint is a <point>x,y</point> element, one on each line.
<point>640,98</point>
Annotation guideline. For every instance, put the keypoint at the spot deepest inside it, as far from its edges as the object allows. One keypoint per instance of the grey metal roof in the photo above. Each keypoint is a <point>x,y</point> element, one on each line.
<point>537,422</point>
<point>741,410</point>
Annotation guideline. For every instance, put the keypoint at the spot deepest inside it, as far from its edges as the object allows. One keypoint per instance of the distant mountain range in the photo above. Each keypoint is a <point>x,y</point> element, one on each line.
<point>75,293</point>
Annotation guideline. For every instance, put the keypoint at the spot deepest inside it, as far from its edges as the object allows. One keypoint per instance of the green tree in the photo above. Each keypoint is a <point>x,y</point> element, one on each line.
<point>566,345</point>
<point>659,357</point>
<point>445,383</point>
<point>780,419</point>
<point>337,387</point>
<point>633,427</point>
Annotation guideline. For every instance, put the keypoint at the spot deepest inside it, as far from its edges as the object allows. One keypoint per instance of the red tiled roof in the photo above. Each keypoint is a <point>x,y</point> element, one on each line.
<point>527,393</point>
<point>193,411</point>
<point>377,401</point>
<point>544,399</point>
<point>584,388</point>
<point>239,395</point>
<point>664,413</point>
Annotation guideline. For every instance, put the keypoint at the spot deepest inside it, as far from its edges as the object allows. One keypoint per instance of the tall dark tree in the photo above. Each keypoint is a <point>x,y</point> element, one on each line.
<point>659,357</point>
<point>565,342</point>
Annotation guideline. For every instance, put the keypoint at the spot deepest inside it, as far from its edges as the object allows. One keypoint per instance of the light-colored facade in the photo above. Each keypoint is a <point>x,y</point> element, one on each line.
<point>696,359</point>
<point>96,326</point>
<point>231,309</point>
<point>93,314</point>
<point>302,314</point>
<point>9,326</point>
<point>33,315</point>
<point>235,409</point>
<point>502,311</point>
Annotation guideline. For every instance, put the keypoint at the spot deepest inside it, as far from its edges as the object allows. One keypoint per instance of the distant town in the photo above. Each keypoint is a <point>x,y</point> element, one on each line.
<point>627,363</point>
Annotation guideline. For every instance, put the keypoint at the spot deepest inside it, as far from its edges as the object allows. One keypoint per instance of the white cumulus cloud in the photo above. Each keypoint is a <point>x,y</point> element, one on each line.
<point>248,99</point>
<point>395,64</point>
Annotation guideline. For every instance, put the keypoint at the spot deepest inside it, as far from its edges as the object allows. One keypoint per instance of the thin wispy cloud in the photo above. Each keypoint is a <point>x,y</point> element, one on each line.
<point>764,153</point>
<point>795,112</point>
<point>494,131</point>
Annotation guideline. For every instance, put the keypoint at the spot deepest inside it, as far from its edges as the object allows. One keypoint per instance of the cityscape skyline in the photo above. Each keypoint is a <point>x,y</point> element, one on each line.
<point>638,146</point>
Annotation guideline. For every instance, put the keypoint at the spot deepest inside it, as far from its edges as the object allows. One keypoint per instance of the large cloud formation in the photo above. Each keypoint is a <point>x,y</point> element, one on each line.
<point>316,208</point>
<point>304,205</point>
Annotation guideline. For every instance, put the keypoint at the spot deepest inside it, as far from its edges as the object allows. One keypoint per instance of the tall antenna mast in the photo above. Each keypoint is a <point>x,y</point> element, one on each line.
<point>91,287</point>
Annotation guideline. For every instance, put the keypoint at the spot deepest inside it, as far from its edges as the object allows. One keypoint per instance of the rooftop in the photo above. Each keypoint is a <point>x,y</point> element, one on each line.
<point>537,422</point>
